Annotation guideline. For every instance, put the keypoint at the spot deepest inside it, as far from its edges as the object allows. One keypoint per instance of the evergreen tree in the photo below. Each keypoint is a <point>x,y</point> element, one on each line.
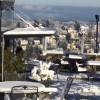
<point>68,37</point>
<point>77,26</point>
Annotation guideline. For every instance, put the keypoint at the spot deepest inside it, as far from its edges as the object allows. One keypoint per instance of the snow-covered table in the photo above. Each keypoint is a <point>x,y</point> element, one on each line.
<point>71,56</point>
<point>93,63</point>
<point>6,86</point>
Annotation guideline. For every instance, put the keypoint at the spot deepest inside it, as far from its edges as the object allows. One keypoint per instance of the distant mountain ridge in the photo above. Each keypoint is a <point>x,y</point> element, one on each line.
<point>64,13</point>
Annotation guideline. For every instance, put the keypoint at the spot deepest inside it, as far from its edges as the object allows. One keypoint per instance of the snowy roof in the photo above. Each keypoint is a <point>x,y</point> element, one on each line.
<point>27,32</point>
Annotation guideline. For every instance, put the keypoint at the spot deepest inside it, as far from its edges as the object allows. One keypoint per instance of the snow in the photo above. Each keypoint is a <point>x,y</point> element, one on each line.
<point>79,87</point>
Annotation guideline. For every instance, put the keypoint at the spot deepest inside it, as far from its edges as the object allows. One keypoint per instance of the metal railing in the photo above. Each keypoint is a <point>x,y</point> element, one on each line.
<point>14,76</point>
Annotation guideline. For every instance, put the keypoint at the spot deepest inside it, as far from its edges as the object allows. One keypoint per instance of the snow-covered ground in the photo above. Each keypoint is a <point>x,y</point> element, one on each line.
<point>89,89</point>
<point>84,85</point>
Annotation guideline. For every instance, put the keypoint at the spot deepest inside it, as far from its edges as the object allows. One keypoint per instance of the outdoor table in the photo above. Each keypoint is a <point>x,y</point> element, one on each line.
<point>6,86</point>
<point>64,62</point>
<point>76,56</point>
<point>72,59</point>
<point>78,62</point>
<point>93,63</point>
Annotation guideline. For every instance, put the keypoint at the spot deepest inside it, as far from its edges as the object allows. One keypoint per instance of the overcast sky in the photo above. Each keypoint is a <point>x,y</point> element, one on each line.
<point>94,3</point>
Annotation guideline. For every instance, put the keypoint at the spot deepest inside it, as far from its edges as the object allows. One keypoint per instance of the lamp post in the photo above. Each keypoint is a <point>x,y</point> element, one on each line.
<point>97,45</point>
<point>82,41</point>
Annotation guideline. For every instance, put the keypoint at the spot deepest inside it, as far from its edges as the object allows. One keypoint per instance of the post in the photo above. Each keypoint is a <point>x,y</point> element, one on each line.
<point>82,44</point>
<point>0,41</point>
<point>82,41</point>
<point>97,45</point>
<point>2,58</point>
<point>3,28</point>
<point>44,43</point>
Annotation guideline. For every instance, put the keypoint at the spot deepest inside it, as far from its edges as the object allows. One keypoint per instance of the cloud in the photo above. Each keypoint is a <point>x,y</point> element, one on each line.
<point>40,7</point>
<point>36,7</point>
<point>28,7</point>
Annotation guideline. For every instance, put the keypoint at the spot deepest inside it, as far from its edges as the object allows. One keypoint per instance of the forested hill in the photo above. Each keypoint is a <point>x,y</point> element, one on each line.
<point>64,13</point>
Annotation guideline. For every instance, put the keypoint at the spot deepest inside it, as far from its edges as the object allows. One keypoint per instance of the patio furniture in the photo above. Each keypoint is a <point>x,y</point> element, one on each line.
<point>44,93</point>
<point>7,97</point>
<point>47,93</point>
<point>64,93</point>
<point>42,73</point>
<point>81,68</point>
<point>93,63</point>
<point>6,86</point>
<point>93,71</point>
<point>73,58</point>
<point>67,86</point>
<point>24,92</point>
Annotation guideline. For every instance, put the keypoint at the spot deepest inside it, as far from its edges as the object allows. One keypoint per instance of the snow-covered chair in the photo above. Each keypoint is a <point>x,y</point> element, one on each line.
<point>35,74</point>
<point>46,94</point>
<point>21,92</point>
<point>63,95</point>
<point>7,97</point>
<point>42,72</point>
<point>81,67</point>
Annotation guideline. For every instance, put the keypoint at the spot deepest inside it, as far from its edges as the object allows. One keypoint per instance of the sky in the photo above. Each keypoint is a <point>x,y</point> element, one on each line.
<point>89,3</point>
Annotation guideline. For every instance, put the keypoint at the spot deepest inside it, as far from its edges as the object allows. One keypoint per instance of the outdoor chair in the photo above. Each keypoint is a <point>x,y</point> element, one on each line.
<point>63,95</point>
<point>7,96</point>
<point>24,92</point>
<point>81,68</point>
<point>67,86</point>
<point>47,93</point>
